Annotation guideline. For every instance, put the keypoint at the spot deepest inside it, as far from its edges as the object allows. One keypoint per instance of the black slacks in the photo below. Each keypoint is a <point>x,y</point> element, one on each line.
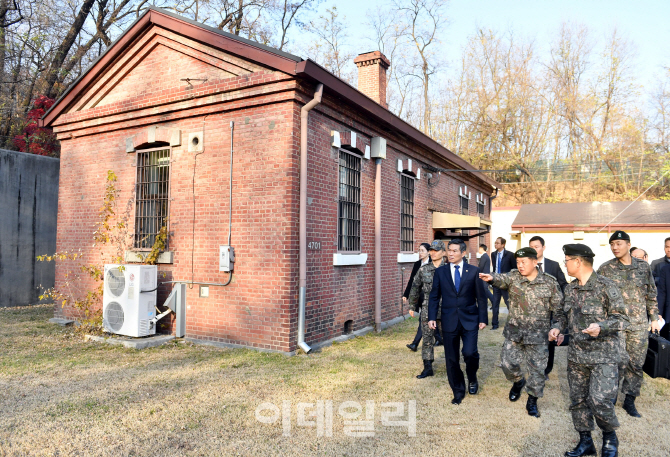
<point>452,343</point>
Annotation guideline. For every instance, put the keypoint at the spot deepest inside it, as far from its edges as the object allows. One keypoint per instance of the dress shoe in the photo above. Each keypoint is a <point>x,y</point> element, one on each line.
<point>494,327</point>
<point>629,406</point>
<point>515,391</point>
<point>456,400</point>
<point>473,388</point>
<point>437,343</point>
<point>412,347</point>
<point>531,406</point>
<point>584,447</point>
<point>610,445</point>
<point>427,369</point>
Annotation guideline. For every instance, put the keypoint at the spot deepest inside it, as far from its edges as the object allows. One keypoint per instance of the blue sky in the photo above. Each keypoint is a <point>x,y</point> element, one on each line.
<point>645,22</point>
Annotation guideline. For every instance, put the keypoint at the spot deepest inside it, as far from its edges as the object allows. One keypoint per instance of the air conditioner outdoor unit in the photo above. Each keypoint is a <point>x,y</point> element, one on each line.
<point>129,299</point>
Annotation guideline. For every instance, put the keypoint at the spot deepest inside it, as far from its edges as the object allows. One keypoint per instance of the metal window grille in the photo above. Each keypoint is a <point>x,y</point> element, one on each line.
<point>349,205</point>
<point>406,213</point>
<point>480,208</point>
<point>465,205</point>
<point>153,194</point>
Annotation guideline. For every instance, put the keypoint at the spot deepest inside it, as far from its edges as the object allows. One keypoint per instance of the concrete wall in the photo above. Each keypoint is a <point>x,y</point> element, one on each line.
<point>28,208</point>
<point>502,219</point>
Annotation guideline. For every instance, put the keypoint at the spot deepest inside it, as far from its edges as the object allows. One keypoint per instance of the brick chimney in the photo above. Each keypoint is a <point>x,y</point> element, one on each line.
<point>372,68</point>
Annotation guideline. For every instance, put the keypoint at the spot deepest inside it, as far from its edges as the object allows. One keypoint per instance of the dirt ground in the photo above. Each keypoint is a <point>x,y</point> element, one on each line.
<point>62,396</point>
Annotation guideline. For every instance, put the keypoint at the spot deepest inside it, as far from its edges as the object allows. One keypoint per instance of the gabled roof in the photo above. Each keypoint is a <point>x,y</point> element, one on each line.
<point>265,55</point>
<point>643,212</point>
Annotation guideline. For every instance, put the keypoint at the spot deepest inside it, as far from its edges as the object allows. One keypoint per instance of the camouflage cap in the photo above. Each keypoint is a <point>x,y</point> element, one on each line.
<point>578,249</point>
<point>619,235</point>
<point>437,245</point>
<point>525,252</point>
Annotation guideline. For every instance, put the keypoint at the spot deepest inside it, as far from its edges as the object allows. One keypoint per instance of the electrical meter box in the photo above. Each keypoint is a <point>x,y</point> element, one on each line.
<point>226,258</point>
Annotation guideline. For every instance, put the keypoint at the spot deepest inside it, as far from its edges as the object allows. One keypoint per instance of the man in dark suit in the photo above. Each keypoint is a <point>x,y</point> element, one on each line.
<point>484,260</point>
<point>658,264</point>
<point>485,267</point>
<point>664,299</point>
<point>464,313</point>
<point>502,261</point>
<point>554,269</point>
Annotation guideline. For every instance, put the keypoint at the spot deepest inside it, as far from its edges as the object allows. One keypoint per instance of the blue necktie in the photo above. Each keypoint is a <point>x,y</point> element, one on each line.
<point>457,278</point>
<point>499,257</point>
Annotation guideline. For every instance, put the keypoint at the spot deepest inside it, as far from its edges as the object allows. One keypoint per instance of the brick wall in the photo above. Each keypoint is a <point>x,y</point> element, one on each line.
<point>259,307</point>
<point>336,294</point>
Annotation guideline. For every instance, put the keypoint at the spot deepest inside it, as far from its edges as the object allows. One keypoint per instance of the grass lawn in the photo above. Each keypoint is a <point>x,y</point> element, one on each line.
<point>62,396</point>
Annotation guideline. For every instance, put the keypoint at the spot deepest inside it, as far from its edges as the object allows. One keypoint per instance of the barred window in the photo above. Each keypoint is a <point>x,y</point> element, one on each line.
<point>406,213</point>
<point>349,205</point>
<point>153,189</point>
<point>465,205</point>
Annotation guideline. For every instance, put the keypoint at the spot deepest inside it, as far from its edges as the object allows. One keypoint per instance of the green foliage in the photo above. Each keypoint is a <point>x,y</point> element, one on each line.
<point>110,230</point>
<point>158,247</point>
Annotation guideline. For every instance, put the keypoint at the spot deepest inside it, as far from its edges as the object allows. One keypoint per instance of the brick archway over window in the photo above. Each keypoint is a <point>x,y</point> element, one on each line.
<point>154,134</point>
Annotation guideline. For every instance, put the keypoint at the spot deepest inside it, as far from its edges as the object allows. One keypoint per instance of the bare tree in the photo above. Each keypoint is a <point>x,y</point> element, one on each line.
<point>422,21</point>
<point>330,47</point>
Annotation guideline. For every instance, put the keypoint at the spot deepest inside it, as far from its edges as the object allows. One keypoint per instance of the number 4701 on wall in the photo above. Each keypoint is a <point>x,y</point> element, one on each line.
<point>314,245</point>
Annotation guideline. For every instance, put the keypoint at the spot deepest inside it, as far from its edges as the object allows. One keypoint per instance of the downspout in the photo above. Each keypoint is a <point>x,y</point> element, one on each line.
<point>378,246</point>
<point>304,116</point>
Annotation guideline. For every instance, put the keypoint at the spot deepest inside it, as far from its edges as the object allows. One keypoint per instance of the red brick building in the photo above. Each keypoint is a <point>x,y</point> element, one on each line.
<point>159,108</point>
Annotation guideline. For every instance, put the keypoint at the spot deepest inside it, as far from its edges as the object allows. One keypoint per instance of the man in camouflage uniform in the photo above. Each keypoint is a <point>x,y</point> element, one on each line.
<point>635,281</point>
<point>533,296</point>
<point>594,313</point>
<point>422,285</point>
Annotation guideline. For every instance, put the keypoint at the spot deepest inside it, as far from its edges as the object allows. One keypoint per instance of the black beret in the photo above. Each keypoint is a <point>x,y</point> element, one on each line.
<point>619,235</point>
<point>525,252</point>
<point>578,249</point>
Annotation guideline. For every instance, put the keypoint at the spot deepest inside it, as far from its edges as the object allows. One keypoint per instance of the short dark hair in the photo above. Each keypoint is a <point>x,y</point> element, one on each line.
<point>503,241</point>
<point>484,247</point>
<point>667,239</point>
<point>459,242</point>
<point>632,249</point>
<point>537,238</point>
<point>587,260</point>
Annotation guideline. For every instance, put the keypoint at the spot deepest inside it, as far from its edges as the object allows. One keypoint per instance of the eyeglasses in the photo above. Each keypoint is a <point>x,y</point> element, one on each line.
<point>565,262</point>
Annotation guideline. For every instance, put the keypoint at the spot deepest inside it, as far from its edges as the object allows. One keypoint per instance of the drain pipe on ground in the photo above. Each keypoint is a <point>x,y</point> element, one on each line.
<point>304,116</point>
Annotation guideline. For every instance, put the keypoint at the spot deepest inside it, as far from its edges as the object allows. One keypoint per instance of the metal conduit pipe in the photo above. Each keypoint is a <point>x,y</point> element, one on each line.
<point>304,116</point>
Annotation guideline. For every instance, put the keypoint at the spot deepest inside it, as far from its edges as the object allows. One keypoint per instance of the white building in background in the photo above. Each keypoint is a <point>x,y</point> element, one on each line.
<point>647,222</point>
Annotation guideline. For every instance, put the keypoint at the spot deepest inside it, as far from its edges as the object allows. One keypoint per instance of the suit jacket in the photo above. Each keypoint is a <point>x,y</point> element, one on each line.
<point>663,293</point>
<point>408,289</point>
<point>553,268</point>
<point>468,305</point>
<point>507,263</point>
<point>485,263</point>
<point>656,267</point>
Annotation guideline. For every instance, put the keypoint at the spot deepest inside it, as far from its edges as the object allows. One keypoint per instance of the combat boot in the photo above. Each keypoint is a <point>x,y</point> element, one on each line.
<point>610,445</point>
<point>531,406</point>
<point>427,369</point>
<point>515,391</point>
<point>584,447</point>
<point>629,406</point>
